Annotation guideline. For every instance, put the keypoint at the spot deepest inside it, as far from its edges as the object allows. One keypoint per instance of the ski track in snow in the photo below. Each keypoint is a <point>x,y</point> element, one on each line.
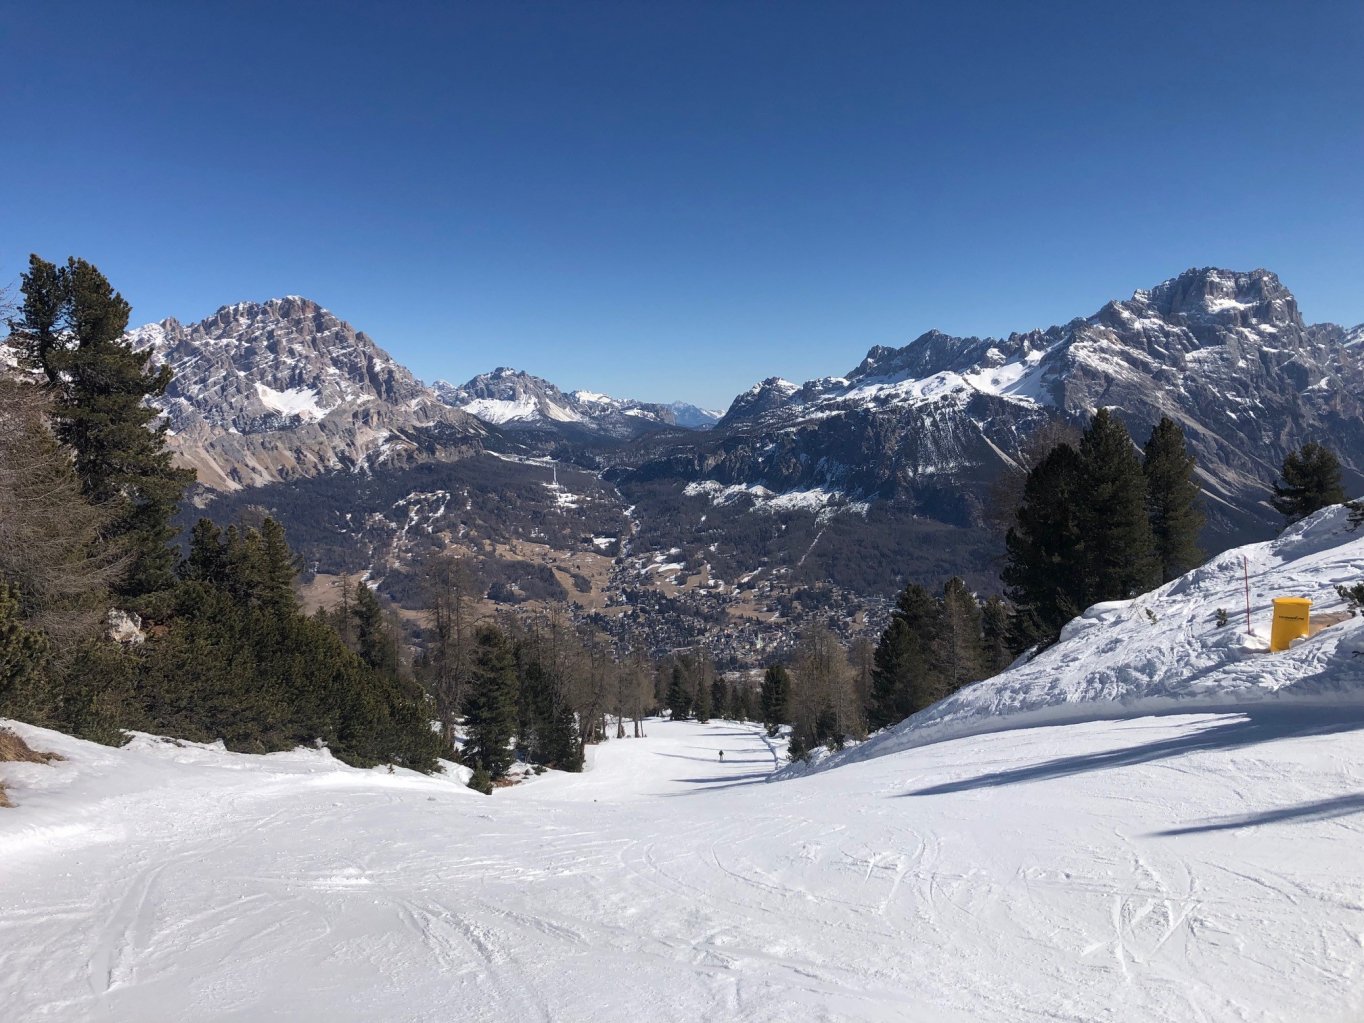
<point>662,884</point>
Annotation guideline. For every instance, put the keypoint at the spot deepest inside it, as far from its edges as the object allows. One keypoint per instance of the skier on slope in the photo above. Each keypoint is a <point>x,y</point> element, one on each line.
<point>722,756</point>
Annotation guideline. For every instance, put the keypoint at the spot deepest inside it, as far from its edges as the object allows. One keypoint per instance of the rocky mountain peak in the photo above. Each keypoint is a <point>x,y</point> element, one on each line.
<point>1228,298</point>
<point>251,377</point>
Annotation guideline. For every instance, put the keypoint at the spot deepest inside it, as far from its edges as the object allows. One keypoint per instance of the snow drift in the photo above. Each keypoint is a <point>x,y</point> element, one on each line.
<point>1165,652</point>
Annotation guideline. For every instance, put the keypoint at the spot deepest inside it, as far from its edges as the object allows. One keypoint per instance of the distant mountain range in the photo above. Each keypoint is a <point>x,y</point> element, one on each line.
<point>509,397</point>
<point>803,499</point>
<point>1227,355</point>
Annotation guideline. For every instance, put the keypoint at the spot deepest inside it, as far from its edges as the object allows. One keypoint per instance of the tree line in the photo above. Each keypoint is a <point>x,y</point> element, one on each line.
<point>1090,520</point>
<point>87,496</point>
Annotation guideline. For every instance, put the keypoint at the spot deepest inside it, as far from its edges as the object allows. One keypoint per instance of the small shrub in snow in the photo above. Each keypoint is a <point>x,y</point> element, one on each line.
<point>1222,617</point>
<point>482,781</point>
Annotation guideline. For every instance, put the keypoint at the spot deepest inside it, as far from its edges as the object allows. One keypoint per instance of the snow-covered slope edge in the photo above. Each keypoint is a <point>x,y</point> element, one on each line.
<point>56,801</point>
<point>1164,651</point>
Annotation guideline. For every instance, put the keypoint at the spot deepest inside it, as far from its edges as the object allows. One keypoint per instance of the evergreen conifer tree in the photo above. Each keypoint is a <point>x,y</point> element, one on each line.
<point>1172,500</point>
<point>207,560</point>
<point>679,694</point>
<point>71,327</point>
<point>1309,481</point>
<point>720,698</point>
<point>491,717</point>
<point>775,697</point>
<point>1118,548</point>
<point>1044,568</point>
<point>900,677</point>
<point>22,653</point>
<point>373,640</point>
<point>703,703</point>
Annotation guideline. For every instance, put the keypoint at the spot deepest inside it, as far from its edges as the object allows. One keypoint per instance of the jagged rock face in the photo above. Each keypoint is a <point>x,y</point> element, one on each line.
<point>274,390</point>
<point>1226,355</point>
<point>517,400</point>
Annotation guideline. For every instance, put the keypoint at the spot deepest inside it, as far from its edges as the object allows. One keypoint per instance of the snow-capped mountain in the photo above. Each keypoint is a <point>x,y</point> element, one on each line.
<point>1226,354</point>
<point>273,390</point>
<point>513,398</point>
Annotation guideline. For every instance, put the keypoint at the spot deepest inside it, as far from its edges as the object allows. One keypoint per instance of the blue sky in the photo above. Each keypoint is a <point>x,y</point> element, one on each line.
<point>670,201</point>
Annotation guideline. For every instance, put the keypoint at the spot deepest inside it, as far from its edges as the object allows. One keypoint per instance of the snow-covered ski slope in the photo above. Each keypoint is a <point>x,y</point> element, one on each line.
<point>1202,867</point>
<point>1201,862</point>
<point>1166,652</point>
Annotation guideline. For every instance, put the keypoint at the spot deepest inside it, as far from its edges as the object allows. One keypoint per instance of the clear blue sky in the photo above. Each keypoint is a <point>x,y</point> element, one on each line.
<point>672,200</point>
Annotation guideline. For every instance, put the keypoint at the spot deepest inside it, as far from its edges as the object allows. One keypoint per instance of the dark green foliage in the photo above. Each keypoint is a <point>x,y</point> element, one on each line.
<point>51,547</point>
<point>1352,595</point>
<point>1118,547</point>
<point>1222,617</point>
<point>22,652</point>
<point>1082,534</point>
<point>703,704</point>
<point>774,698</point>
<point>374,640</point>
<point>741,703</point>
<point>679,696</point>
<point>481,781</point>
<point>1356,509</point>
<point>1172,500</point>
<point>720,698</point>
<point>1044,570</point>
<point>547,726</point>
<point>1309,481</point>
<point>237,661</point>
<point>900,678</point>
<point>932,647</point>
<point>491,705</point>
<point>207,560</point>
<point>71,328</point>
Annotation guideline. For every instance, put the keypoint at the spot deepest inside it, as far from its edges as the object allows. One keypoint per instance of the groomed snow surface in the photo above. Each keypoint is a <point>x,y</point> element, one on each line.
<point>1203,865</point>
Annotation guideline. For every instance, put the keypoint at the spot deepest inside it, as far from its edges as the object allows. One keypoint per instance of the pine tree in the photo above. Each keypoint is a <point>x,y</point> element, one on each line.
<point>775,697</point>
<point>1356,509</point>
<point>720,699</point>
<point>207,560</point>
<point>1309,481</point>
<point>703,704</point>
<point>22,653</point>
<point>481,781</point>
<point>51,538</point>
<point>71,327</point>
<point>373,640</point>
<point>1118,547</point>
<point>679,694</point>
<point>278,567</point>
<point>491,718</point>
<point>1044,568</point>
<point>742,703</point>
<point>1172,500</point>
<point>899,678</point>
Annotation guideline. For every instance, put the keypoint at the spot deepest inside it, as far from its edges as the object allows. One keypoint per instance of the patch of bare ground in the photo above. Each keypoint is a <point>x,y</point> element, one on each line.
<point>13,750</point>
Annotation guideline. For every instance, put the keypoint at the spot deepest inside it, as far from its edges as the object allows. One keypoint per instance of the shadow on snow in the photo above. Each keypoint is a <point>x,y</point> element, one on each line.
<point>1249,729</point>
